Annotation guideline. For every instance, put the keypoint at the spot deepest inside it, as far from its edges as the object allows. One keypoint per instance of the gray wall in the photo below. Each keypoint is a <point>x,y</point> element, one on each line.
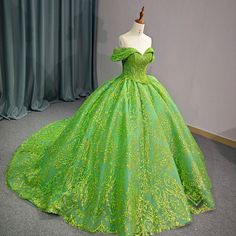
<point>195,44</point>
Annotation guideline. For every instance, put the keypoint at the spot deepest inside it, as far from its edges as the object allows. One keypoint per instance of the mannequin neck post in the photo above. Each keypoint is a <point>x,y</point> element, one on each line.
<point>137,28</point>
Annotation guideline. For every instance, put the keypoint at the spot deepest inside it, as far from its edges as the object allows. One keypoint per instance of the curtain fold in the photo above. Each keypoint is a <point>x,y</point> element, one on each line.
<point>47,53</point>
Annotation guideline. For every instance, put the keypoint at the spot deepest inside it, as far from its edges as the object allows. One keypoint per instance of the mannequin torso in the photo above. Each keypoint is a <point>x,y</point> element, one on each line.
<point>136,38</point>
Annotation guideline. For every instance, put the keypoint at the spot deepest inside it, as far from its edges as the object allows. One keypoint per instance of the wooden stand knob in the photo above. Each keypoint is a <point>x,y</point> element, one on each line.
<point>140,20</point>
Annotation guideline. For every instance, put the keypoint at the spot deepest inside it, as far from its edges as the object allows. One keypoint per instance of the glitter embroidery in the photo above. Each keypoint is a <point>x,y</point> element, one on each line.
<point>124,163</point>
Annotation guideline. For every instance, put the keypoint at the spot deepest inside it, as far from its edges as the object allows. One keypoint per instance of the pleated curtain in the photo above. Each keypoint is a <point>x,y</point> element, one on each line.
<point>47,53</point>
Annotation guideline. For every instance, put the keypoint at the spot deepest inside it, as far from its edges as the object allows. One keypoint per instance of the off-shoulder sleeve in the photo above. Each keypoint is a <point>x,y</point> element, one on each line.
<point>153,53</point>
<point>121,53</point>
<point>153,57</point>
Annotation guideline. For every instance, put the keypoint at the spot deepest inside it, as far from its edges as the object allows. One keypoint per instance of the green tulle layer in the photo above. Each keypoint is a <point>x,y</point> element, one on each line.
<point>125,163</point>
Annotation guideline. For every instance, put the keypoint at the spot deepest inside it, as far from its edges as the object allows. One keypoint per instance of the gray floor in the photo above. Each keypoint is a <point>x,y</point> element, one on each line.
<point>19,217</point>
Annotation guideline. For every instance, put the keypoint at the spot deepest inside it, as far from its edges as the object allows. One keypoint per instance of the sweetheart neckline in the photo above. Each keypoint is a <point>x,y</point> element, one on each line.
<point>136,50</point>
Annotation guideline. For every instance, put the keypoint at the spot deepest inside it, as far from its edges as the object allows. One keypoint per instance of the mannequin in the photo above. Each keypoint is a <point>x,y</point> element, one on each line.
<point>125,163</point>
<point>135,37</point>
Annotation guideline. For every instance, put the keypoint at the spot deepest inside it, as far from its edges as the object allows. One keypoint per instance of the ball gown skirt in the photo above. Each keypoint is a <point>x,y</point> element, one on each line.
<point>124,163</point>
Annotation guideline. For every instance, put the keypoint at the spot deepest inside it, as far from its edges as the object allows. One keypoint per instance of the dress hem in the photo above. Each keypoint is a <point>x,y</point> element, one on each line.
<point>82,228</point>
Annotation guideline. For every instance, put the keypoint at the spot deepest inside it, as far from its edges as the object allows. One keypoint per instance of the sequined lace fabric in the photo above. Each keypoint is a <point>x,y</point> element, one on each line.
<point>124,163</point>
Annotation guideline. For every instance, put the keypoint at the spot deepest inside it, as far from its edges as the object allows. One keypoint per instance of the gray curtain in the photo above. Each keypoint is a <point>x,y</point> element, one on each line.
<point>47,53</point>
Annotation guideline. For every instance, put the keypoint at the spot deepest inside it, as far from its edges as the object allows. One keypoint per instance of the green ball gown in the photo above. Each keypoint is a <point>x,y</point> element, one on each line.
<point>124,163</point>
